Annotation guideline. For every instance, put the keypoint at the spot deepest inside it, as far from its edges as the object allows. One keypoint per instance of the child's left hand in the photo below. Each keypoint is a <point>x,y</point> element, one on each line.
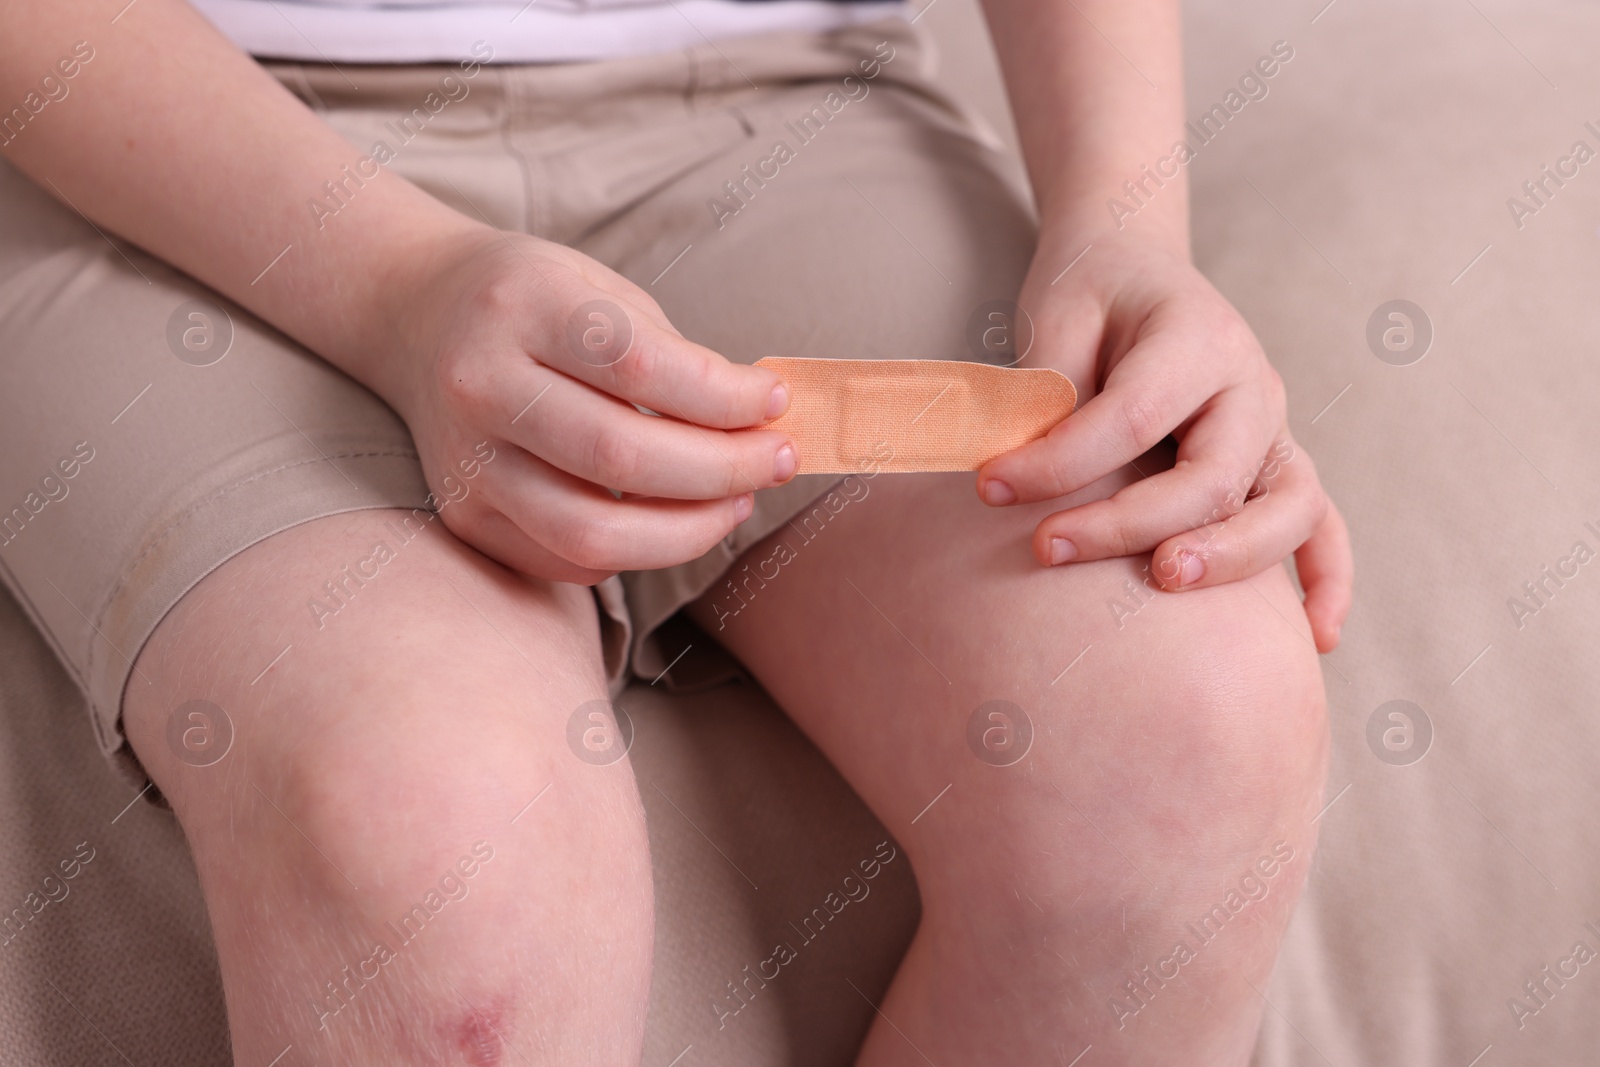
<point>1161,352</point>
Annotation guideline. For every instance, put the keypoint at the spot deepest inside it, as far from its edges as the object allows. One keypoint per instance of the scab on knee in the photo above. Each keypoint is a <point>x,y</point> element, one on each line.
<point>479,1036</point>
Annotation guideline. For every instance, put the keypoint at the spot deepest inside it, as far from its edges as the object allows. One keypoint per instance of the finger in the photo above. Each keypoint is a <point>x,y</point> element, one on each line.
<point>1152,391</point>
<point>608,442</point>
<point>1327,569</point>
<point>1217,463</point>
<point>589,527</point>
<point>503,541</point>
<point>1265,533</point>
<point>619,350</point>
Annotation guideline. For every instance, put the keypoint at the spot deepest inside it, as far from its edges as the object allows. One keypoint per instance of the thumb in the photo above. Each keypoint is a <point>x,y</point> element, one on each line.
<point>1068,329</point>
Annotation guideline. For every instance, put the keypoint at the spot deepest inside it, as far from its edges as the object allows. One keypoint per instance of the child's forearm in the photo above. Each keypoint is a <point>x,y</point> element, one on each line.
<point>1097,90</point>
<point>167,135</point>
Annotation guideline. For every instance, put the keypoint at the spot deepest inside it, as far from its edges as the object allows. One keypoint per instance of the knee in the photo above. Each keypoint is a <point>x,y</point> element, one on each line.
<point>400,807</point>
<point>1219,717</point>
<point>439,859</point>
<point>1183,746</point>
<point>416,726</point>
<point>457,829</point>
<point>417,757</point>
<point>393,816</point>
<point>1225,692</point>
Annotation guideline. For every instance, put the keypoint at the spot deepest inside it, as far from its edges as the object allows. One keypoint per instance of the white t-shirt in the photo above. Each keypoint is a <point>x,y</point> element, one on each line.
<point>512,31</point>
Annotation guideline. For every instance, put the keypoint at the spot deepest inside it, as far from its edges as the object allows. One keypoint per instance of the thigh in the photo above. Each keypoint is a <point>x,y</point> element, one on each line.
<point>149,430</point>
<point>366,646</point>
<point>1130,716</point>
<point>1083,771</point>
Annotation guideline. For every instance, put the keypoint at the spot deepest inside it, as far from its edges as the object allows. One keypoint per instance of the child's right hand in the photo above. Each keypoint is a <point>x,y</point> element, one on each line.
<point>543,353</point>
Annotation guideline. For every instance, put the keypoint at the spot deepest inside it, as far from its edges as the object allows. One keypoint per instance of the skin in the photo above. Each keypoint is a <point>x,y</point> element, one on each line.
<point>1197,770</point>
<point>1186,743</point>
<point>356,783</point>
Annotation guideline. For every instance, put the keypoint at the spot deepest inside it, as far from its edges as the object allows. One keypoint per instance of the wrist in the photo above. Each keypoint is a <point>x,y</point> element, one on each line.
<point>381,343</point>
<point>1156,217</point>
<point>1104,265</point>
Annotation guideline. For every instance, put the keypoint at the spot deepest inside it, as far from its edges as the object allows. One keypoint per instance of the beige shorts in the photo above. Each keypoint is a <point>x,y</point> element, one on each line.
<point>796,194</point>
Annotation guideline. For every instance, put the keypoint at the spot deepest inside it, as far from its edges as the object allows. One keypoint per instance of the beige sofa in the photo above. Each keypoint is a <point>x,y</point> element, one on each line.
<point>1377,168</point>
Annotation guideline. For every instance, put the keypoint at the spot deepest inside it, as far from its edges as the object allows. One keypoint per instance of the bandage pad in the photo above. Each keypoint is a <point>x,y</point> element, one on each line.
<point>904,415</point>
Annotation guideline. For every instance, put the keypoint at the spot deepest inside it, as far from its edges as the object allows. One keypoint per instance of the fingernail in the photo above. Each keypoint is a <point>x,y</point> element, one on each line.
<point>1062,550</point>
<point>785,463</point>
<point>998,494</point>
<point>743,506</point>
<point>1190,569</point>
<point>778,403</point>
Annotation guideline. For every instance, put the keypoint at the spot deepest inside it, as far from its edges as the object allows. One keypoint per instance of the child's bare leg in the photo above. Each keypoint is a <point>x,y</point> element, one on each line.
<point>381,890</point>
<point>1174,766</point>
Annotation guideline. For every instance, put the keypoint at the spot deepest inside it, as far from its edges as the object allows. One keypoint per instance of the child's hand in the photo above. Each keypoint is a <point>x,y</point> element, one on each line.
<point>1168,355</point>
<point>543,353</point>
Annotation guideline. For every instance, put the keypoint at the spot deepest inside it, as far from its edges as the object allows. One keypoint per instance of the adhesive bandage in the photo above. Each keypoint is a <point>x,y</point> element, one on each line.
<point>932,414</point>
